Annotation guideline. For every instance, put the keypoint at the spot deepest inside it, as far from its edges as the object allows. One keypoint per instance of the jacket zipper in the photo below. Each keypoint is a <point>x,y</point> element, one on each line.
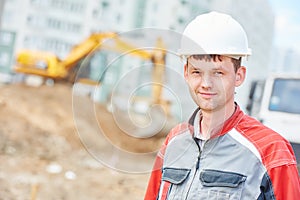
<point>199,155</point>
<point>196,168</point>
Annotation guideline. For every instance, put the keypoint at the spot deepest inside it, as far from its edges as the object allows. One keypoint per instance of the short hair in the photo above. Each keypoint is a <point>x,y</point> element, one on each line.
<point>216,57</point>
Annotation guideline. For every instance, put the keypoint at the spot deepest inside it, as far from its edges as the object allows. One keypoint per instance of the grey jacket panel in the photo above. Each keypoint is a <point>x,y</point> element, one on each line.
<point>224,169</point>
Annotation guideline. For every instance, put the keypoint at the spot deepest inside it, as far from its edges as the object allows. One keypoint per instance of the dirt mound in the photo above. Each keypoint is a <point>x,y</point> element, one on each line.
<point>43,157</point>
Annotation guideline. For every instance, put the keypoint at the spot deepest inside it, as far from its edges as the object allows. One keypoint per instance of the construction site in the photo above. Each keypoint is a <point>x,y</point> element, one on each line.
<point>66,134</point>
<point>43,156</point>
<point>58,142</point>
<point>84,110</point>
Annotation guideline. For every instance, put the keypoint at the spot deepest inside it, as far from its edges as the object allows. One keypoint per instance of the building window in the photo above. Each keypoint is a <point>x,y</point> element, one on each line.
<point>4,58</point>
<point>40,2</point>
<point>180,20</point>
<point>118,18</point>
<point>76,7</point>
<point>32,42</point>
<point>105,4</point>
<point>36,21</point>
<point>63,25</point>
<point>184,2</point>
<point>6,39</point>
<point>60,4</point>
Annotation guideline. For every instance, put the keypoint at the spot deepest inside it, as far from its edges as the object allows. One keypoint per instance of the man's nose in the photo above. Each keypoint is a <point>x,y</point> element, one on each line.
<point>206,81</point>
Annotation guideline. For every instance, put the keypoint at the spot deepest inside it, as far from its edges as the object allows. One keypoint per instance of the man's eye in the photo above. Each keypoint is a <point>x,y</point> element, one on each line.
<point>195,72</point>
<point>219,73</point>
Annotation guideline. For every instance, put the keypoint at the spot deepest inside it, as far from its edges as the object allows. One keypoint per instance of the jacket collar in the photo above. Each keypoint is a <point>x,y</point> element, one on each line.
<point>229,124</point>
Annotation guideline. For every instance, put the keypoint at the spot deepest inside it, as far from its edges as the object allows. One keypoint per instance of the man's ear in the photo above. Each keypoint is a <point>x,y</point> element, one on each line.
<point>240,76</point>
<point>185,72</point>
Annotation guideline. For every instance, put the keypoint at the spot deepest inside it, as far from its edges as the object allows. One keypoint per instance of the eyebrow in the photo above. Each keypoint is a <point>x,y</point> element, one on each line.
<point>214,67</point>
<point>218,68</point>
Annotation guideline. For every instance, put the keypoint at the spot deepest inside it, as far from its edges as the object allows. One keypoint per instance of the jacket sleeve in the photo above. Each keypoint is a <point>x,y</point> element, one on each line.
<point>152,191</point>
<point>284,176</point>
<point>155,180</point>
<point>285,181</point>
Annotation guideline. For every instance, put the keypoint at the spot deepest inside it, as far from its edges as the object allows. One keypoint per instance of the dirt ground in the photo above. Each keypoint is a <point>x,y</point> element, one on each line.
<point>43,156</point>
<point>51,149</point>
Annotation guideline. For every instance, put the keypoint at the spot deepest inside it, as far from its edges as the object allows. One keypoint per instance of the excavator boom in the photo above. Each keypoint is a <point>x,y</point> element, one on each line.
<point>48,65</point>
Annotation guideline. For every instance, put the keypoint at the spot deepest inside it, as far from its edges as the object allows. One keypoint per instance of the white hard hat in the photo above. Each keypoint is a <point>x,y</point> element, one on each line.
<point>214,33</point>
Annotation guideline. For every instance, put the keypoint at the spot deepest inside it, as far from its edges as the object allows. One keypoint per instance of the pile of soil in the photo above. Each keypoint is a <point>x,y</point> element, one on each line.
<point>44,155</point>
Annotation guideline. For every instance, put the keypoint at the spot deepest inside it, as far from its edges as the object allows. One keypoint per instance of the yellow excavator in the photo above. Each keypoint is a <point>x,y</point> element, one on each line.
<point>48,65</point>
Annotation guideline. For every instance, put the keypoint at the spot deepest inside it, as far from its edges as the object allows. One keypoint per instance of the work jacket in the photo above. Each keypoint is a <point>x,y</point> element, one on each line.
<point>244,160</point>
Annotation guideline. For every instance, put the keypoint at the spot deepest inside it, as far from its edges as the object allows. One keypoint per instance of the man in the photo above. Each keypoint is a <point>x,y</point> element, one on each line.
<point>221,153</point>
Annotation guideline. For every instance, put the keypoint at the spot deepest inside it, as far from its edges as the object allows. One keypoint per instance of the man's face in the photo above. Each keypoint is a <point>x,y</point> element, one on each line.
<point>212,83</point>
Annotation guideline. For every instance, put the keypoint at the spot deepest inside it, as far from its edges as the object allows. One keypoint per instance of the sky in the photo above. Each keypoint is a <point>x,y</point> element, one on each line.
<point>287,23</point>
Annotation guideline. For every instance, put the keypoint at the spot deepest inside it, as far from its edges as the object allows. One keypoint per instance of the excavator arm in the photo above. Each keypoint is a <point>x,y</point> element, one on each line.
<point>48,65</point>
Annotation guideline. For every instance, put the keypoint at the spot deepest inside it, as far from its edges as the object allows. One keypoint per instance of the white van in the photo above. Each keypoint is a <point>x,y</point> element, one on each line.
<point>276,103</point>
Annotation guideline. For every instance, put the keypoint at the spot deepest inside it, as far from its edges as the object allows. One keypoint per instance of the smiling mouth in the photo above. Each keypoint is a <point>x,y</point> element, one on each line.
<point>207,95</point>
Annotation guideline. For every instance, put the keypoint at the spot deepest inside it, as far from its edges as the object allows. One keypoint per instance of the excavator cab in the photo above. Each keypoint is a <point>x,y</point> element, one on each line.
<point>39,63</point>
